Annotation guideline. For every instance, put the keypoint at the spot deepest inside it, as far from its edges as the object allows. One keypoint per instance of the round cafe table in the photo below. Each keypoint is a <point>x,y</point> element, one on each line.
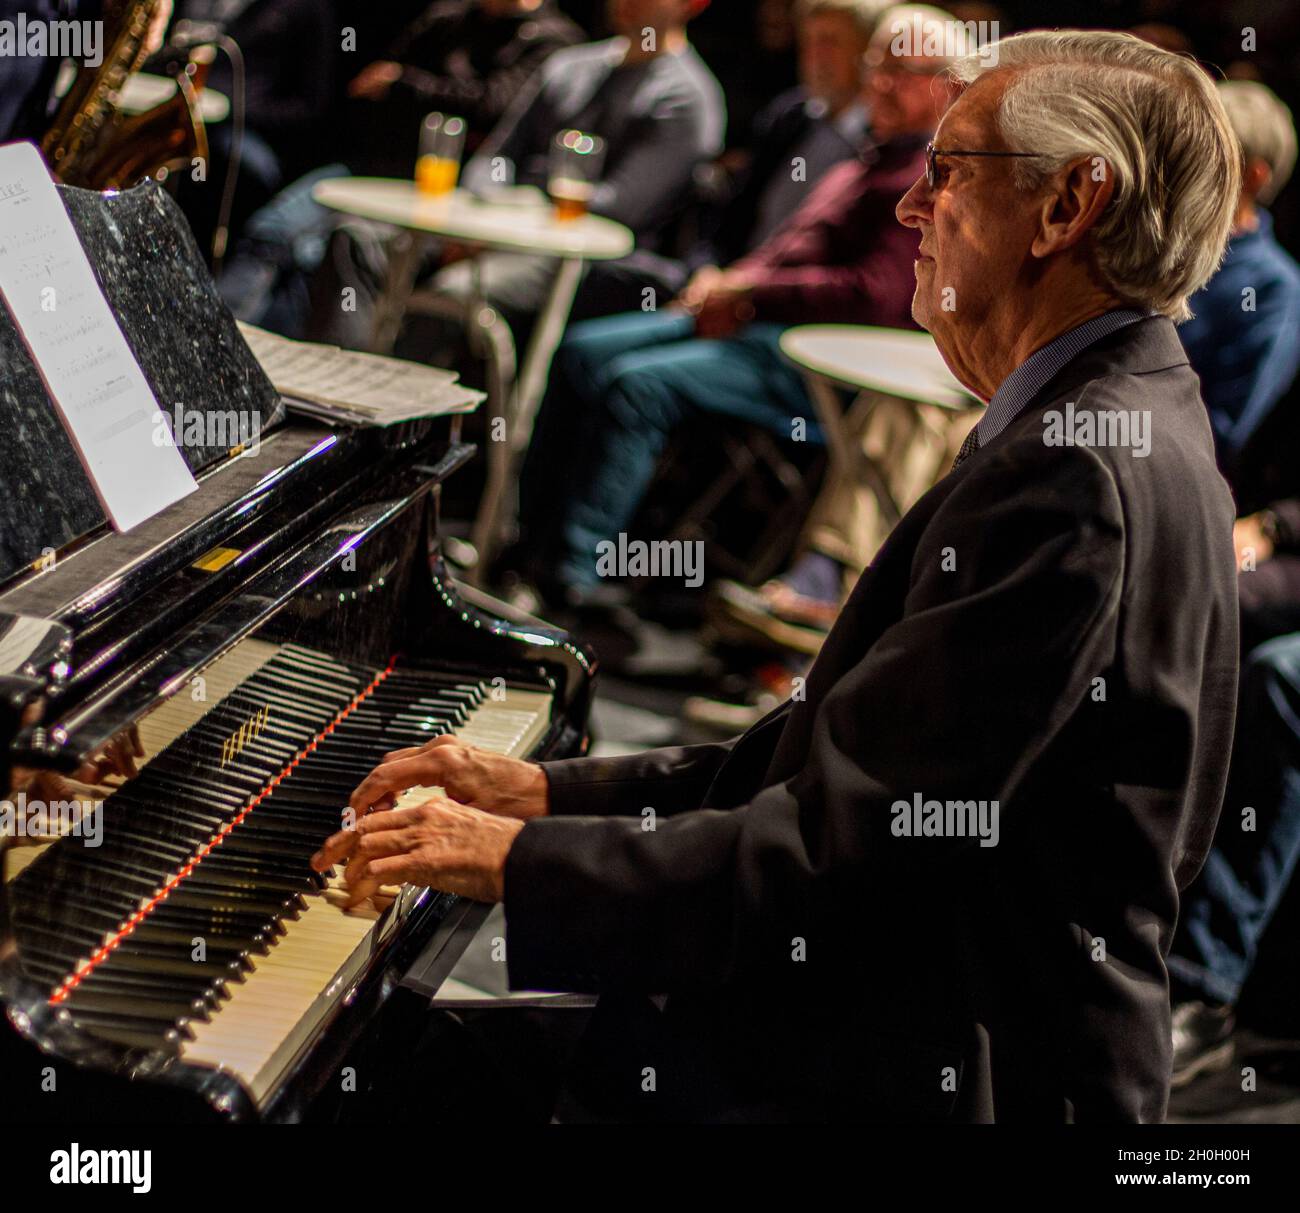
<point>514,220</point>
<point>144,90</point>
<point>873,363</point>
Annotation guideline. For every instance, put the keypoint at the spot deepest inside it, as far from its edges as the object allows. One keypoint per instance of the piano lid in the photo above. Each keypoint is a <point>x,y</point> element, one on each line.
<point>185,339</point>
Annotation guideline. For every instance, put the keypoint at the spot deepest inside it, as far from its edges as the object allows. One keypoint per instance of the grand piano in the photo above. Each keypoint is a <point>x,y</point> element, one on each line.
<point>185,707</point>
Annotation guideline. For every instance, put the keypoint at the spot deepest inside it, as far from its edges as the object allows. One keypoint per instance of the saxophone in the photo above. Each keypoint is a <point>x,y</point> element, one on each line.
<point>91,143</point>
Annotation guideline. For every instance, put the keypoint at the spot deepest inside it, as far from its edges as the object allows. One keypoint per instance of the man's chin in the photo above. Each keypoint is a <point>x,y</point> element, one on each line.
<point>921,308</point>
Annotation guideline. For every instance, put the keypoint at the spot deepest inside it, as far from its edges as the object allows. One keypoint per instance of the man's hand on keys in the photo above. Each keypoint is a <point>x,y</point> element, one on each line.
<point>457,842</point>
<point>437,843</point>
<point>505,787</point>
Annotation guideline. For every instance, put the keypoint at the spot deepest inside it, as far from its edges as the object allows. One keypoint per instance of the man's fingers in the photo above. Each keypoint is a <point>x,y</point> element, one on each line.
<point>389,777</point>
<point>388,820</point>
<point>124,752</point>
<point>336,848</point>
<point>358,883</point>
<point>381,846</point>
<point>397,869</point>
<point>443,739</point>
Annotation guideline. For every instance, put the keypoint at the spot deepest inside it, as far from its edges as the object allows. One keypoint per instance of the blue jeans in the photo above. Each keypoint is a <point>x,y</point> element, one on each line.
<point>1228,906</point>
<point>619,387</point>
<point>283,244</point>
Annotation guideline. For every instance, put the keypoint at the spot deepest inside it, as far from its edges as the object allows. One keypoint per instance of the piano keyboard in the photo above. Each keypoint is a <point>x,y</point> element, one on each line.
<point>210,842</point>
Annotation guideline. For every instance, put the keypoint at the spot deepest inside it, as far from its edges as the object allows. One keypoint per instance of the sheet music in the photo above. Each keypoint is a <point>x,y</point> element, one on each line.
<point>344,385</point>
<point>101,394</point>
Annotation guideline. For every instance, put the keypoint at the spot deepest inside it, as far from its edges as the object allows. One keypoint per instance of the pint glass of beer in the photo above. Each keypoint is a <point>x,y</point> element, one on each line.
<point>442,140</point>
<point>575,167</point>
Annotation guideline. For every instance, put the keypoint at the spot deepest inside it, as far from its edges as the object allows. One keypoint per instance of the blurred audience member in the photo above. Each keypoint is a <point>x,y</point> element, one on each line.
<point>796,139</point>
<point>289,50</point>
<point>623,384</point>
<point>1166,37</point>
<point>1241,341</point>
<point>913,445</point>
<point>1227,909</point>
<point>752,48</point>
<point>1242,338</point>
<point>471,58</point>
<point>645,92</point>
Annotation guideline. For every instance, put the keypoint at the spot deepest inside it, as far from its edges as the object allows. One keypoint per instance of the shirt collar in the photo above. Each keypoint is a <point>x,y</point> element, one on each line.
<point>1263,228</point>
<point>852,123</point>
<point>1025,382</point>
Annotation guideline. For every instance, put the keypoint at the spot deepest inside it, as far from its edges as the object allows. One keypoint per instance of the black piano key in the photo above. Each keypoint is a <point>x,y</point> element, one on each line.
<point>230,857</point>
<point>128,978</point>
<point>207,876</point>
<point>227,921</point>
<point>153,1007</point>
<point>233,900</point>
<point>169,1042</point>
<point>138,1020</point>
<point>217,936</point>
<point>175,961</point>
<point>184,809</point>
<point>153,976</point>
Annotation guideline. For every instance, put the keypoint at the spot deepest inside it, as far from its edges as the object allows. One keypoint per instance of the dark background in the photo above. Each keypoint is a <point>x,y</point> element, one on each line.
<point>725,36</point>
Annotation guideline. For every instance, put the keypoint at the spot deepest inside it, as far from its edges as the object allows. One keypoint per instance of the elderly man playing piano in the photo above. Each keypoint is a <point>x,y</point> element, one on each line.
<point>941,885</point>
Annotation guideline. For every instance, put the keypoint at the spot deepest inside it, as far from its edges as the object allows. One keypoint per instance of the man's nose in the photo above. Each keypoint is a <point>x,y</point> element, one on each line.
<point>915,206</point>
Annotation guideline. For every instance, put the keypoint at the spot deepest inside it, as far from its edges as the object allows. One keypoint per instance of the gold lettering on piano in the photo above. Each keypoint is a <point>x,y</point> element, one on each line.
<point>216,560</point>
<point>251,728</point>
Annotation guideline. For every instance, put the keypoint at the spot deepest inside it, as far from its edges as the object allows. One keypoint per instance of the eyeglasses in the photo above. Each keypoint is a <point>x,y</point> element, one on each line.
<point>932,154</point>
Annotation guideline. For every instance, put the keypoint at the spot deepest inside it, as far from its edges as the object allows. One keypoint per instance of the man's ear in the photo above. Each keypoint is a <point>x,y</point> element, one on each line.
<point>1255,176</point>
<point>1080,195</point>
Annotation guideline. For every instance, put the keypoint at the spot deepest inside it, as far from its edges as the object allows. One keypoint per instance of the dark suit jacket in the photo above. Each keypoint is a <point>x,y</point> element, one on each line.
<point>1050,627</point>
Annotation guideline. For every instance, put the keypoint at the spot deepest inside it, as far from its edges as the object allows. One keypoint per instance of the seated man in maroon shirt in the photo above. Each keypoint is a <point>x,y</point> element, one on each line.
<point>622,384</point>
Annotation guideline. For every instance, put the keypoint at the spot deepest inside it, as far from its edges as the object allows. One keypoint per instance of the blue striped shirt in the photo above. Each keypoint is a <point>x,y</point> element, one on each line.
<point>1020,387</point>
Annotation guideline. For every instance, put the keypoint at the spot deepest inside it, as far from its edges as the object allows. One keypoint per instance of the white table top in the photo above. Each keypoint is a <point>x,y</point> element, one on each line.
<point>898,362</point>
<point>143,91</point>
<point>530,227</point>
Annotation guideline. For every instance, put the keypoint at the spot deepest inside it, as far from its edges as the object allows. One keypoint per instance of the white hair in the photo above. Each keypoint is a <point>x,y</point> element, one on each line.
<point>1155,118</point>
<point>1263,123</point>
<point>924,31</point>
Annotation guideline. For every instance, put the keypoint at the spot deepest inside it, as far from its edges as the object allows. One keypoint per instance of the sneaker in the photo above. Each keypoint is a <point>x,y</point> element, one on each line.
<point>1202,1040</point>
<point>769,686</point>
<point>731,719</point>
<point>774,614</point>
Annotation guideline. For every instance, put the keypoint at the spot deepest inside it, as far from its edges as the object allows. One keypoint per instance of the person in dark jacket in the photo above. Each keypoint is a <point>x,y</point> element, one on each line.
<point>797,138</point>
<point>471,58</point>
<point>941,883</point>
<point>290,58</point>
